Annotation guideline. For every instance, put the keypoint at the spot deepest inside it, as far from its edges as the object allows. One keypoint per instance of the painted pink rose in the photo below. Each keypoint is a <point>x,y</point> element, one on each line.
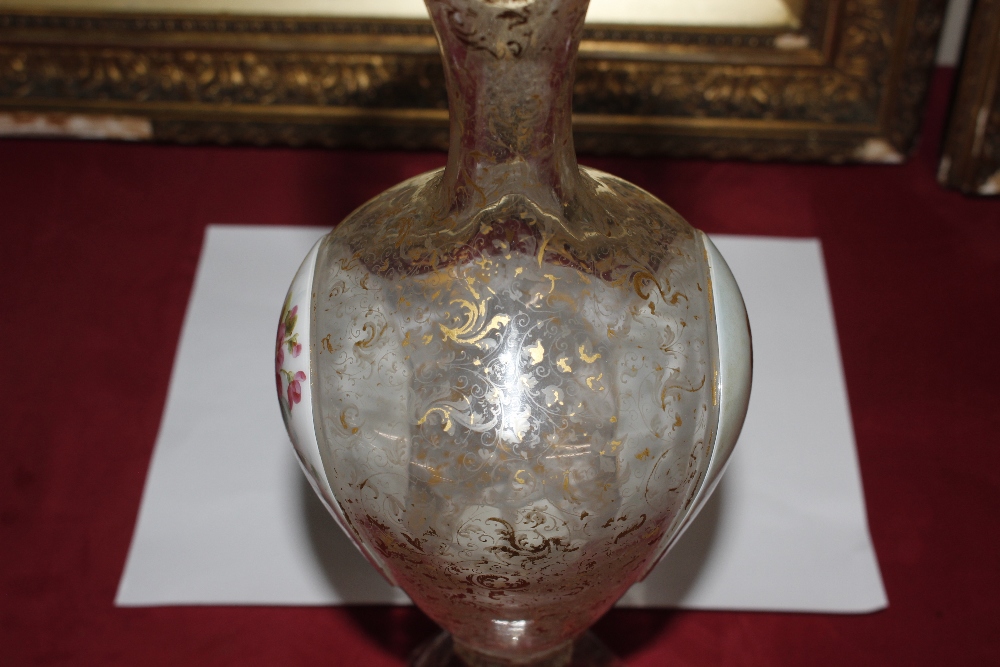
<point>279,352</point>
<point>295,389</point>
<point>288,338</point>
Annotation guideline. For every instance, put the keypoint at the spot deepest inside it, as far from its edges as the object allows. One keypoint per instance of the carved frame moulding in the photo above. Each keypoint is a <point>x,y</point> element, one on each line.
<point>971,156</point>
<point>846,84</point>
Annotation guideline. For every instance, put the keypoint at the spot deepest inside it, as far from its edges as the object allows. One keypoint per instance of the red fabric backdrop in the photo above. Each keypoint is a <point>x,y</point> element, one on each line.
<point>98,248</point>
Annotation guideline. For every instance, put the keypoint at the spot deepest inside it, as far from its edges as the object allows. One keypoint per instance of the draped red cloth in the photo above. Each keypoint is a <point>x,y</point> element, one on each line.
<point>98,248</point>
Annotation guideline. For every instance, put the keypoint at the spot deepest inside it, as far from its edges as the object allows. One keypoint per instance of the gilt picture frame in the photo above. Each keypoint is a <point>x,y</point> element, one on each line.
<point>846,84</point>
<point>970,159</point>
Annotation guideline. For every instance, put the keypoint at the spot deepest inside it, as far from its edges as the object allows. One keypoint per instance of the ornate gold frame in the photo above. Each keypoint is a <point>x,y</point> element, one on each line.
<point>847,85</point>
<point>971,156</point>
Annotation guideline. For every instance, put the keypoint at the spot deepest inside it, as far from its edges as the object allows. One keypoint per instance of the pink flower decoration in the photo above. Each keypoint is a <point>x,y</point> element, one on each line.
<point>295,389</point>
<point>288,337</point>
<point>279,354</point>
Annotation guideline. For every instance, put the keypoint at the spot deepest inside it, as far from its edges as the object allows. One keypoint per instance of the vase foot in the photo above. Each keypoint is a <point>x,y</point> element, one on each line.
<point>587,651</point>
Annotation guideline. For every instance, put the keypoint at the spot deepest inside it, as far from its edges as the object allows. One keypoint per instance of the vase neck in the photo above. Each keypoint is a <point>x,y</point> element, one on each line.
<point>509,68</point>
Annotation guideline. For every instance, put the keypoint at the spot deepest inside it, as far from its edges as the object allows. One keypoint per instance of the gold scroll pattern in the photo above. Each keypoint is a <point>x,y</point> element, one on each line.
<point>513,409</point>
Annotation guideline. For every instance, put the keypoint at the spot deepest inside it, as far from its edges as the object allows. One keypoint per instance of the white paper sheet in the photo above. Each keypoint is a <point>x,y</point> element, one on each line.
<point>227,517</point>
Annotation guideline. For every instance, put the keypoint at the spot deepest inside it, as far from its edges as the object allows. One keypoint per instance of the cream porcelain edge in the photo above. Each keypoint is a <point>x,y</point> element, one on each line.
<point>301,425</point>
<point>735,370</point>
<point>735,365</point>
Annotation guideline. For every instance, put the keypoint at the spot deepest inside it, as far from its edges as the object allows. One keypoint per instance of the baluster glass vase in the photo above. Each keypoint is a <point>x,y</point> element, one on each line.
<point>522,377</point>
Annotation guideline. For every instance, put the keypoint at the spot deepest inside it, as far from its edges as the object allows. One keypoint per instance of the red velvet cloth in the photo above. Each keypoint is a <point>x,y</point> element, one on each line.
<point>99,247</point>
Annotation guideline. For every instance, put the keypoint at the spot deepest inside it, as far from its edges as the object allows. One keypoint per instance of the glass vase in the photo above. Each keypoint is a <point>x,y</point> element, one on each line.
<point>521,378</point>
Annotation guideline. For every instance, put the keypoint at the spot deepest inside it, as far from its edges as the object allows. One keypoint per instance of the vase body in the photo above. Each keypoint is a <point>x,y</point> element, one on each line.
<point>515,370</point>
